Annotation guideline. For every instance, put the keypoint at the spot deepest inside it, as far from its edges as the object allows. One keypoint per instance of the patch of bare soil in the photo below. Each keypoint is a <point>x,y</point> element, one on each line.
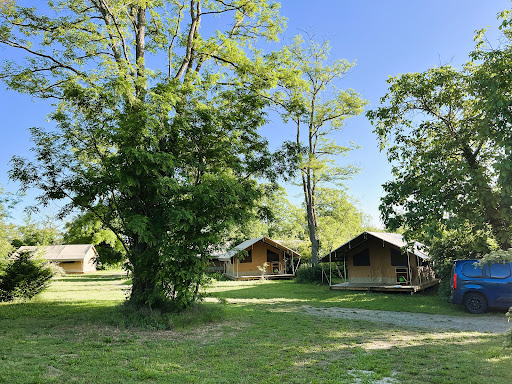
<point>492,323</point>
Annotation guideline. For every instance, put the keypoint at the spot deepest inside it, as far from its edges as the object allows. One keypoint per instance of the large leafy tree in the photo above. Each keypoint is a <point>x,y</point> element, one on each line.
<point>447,134</point>
<point>148,137</point>
<point>308,97</point>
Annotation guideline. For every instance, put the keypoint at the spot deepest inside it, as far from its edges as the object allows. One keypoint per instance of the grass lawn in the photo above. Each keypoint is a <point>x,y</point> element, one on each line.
<point>248,332</point>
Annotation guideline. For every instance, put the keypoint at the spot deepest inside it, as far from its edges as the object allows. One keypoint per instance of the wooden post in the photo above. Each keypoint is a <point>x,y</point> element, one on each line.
<point>418,268</point>
<point>409,268</point>
<point>330,267</point>
<point>345,267</point>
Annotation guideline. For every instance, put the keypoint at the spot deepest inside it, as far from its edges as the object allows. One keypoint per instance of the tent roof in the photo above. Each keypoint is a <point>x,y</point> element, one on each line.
<point>67,252</point>
<point>392,238</point>
<point>247,243</point>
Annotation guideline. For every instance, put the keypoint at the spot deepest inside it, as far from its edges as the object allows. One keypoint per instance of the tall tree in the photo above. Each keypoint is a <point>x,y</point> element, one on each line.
<point>308,96</point>
<point>147,138</point>
<point>447,134</point>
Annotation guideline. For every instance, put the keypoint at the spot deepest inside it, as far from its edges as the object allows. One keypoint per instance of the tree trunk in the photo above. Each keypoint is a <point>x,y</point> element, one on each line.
<point>144,283</point>
<point>140,35</point>
<point>311,215</point>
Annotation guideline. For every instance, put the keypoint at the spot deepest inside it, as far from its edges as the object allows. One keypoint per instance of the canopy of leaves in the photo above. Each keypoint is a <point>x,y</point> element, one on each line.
<point>447,135</point>
<point>465,242</point>
<point>154,136</point>
<point>33,232</point>
<point>339,220</point>
<point>274,217</point>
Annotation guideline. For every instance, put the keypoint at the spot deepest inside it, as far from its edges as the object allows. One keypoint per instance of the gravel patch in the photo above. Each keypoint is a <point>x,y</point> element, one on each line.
<point>366,377</point>
<point>483,323</point>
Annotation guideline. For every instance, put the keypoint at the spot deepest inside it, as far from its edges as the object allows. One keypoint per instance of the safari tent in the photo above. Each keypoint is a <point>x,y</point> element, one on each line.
<point>260,257</point>
<point>73,258</point>
<point>382,262</point>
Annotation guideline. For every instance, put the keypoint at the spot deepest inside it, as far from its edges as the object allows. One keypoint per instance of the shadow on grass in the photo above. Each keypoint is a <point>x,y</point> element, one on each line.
<point>99,278</point>
<point>55,314</point>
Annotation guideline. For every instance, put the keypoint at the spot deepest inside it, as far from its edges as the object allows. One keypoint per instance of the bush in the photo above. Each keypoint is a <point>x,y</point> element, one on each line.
<point>309,274</point>
<point>24,276</point>
<point>460,244</point>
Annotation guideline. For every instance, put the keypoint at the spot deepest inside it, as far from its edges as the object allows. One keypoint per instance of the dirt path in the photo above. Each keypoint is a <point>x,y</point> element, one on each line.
<point>493,323</point>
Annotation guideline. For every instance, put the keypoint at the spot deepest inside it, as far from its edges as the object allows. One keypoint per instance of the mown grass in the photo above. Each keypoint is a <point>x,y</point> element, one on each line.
<point>78,331</point>
<point>317,295</point>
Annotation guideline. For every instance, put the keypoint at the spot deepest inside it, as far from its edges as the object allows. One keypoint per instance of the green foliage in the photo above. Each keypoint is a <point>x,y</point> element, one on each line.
<point>338,219</point>
<point>309,274</point>
<point>88,229</point>
<point>130,317</point>
<point>447,134</point>
<point>462,243</point>
<point>5,230</point>
<point>37,233</point>
<point>167,157</point>
<point>217,276</point>
<point>274,217</point>
<point>23,277</point>
<point>497,256</point>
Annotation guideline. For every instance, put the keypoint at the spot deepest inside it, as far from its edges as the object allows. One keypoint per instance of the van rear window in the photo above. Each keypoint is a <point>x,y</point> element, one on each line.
<point>498,271</point>
<point>471,270</point>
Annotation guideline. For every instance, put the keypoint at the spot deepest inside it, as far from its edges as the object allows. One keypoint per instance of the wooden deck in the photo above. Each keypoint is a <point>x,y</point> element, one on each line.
<point>383,288</point>
<point>284,276</point>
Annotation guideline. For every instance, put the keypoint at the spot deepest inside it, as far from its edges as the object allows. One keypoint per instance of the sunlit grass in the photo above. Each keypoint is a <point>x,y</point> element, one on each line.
<point>252,332</point>
<point>321,296</point>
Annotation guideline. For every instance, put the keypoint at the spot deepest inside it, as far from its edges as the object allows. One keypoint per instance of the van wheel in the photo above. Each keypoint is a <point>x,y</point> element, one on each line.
<point>475,303</point>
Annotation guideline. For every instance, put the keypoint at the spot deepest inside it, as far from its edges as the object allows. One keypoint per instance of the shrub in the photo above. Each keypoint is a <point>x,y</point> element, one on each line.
<point>24,276</point>
<point>217,276</point>
<point>309,274</point>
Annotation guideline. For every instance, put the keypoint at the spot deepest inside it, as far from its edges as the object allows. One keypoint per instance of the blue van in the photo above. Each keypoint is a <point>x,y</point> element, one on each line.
<point>479,288</point>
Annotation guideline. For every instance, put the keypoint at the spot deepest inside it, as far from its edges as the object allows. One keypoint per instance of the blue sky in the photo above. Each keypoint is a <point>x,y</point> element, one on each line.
<point>385,38</point>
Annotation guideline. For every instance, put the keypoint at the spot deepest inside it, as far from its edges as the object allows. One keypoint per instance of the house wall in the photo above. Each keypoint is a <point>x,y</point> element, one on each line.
<point>88,264</point>
<point>71,266</point>
<point>380,270</point>
<point>259,257</point>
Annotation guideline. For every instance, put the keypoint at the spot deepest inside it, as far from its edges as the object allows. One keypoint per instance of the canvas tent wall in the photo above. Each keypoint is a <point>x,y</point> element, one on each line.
<point>376,258</point>
<point>73,258</point>
<point>243,260</point>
